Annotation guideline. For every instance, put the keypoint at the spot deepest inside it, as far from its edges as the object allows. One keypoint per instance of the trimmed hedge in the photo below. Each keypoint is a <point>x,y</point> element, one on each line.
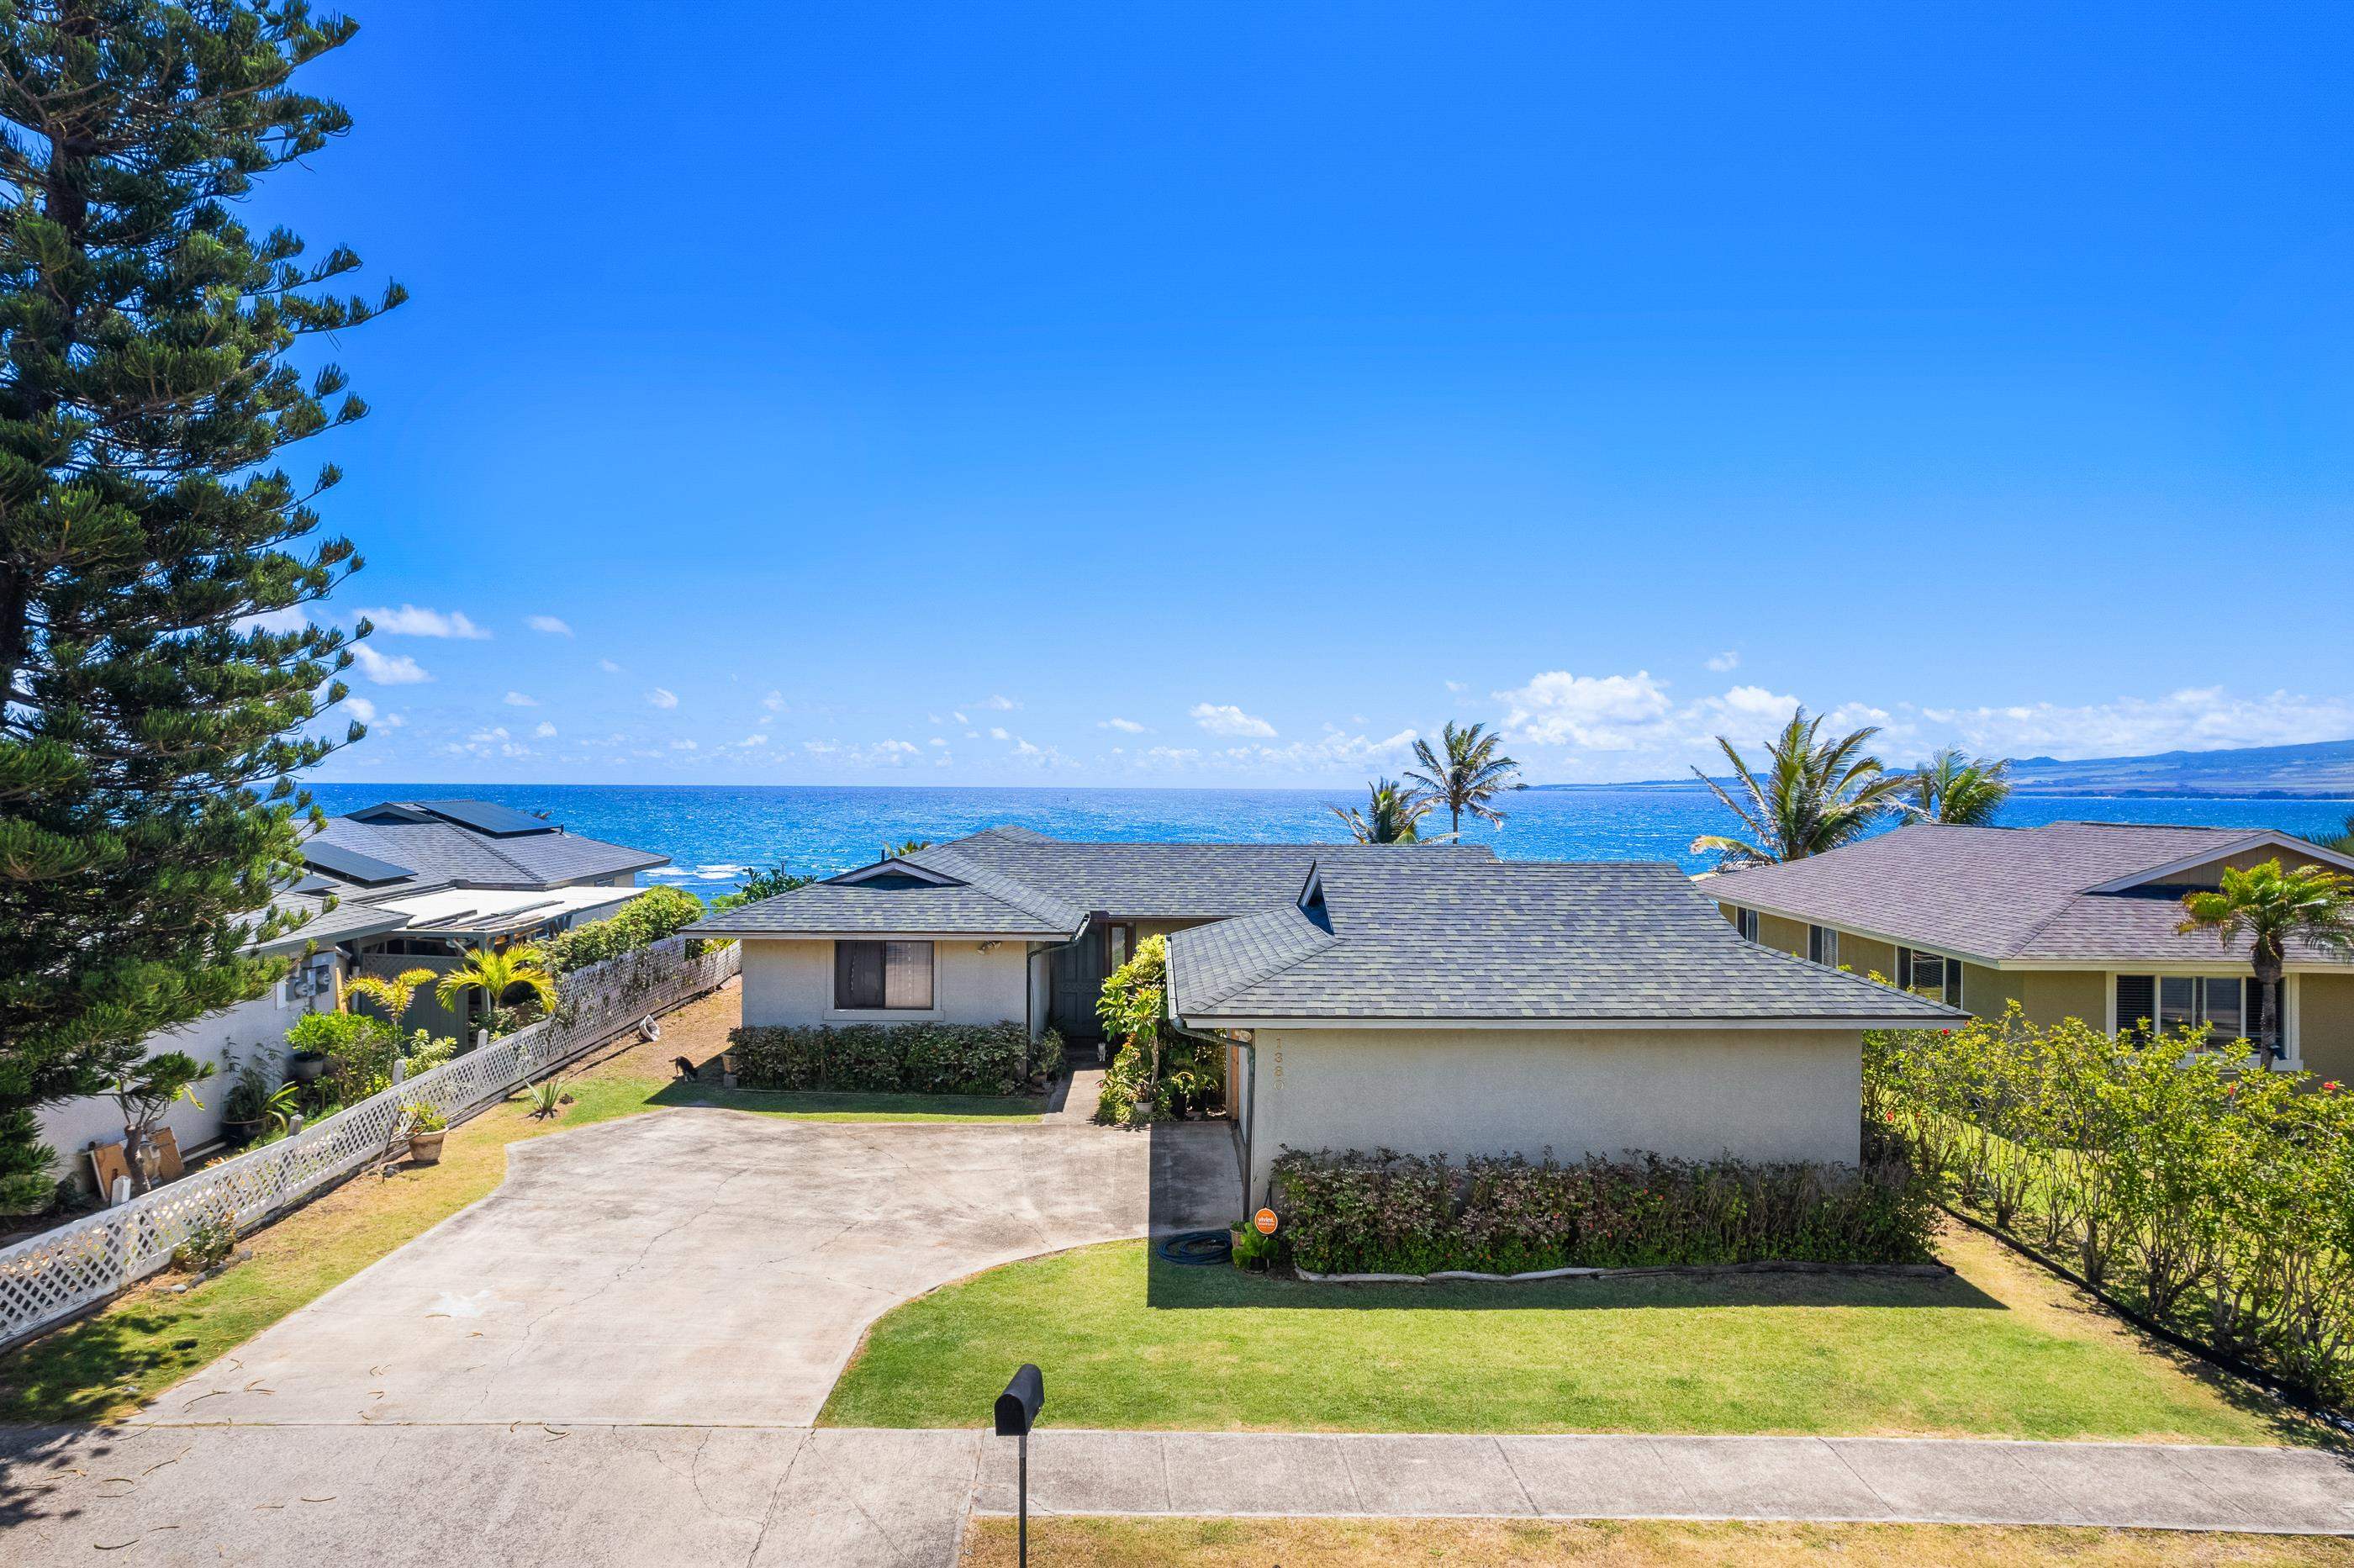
<point>1395,1213</point>
<point>656,913</point>
<point>897,1058</point>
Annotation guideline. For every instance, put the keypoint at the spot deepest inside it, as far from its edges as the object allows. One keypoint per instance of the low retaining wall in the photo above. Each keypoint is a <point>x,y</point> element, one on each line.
<point>61,1273</point>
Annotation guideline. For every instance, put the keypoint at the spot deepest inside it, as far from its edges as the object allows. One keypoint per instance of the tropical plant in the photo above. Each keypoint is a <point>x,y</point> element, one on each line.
<point>1467,770</point>
<point>764,884</point>
<point>143,1093</point>
<point>544,1098</point>
<point>1816,795</point>
<point>656,913</point>
<point>498,973</point>
<point>906,847</point>
<point>1965,791</point>
<point>161,687</point>
<point>2267,906</point>
<point>419,1116</point>
<point>394,995</point>
<point>1391,815</point>
<point>2342,841</point>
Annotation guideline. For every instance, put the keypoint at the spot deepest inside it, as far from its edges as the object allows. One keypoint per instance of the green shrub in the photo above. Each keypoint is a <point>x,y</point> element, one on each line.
<point>1149,1053</point>
<point>1394,1214</point>
<point>656,913</point>
<point>910,1058</point>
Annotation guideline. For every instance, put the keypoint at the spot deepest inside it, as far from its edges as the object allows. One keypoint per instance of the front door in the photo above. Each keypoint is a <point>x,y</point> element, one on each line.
<point>1078,973</point>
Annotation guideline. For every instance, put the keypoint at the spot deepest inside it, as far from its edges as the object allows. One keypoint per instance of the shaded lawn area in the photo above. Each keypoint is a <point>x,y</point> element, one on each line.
<point>2002,1350</point>
<point>110,1365</point>
<point>1528,1543</point>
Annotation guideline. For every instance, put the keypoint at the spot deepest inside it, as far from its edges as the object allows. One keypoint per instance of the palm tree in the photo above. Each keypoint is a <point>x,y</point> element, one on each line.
<point>2267,906</point>
<point>494,972</point>
<point>1967,792</point>
<point>2342,841</point>
<point>901,850</point>
<point>1391,815</point>
<point>393,995</point>
<point>1817,796</point>
<point>1474,772</point>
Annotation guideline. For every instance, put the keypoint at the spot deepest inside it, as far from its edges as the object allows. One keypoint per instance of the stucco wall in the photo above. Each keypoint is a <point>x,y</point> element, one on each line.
<point>1758,1093</point>
<point>1866,957</point>
<point>69,1128</point>
<point>1987,992</point>
<point>1782,933</point>
<point>792,984</point>
<point>2052,995</point>
<point>2325,1025</point>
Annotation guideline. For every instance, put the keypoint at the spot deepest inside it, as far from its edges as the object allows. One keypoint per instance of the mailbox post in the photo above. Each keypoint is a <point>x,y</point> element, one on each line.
<point>1017,1412</point>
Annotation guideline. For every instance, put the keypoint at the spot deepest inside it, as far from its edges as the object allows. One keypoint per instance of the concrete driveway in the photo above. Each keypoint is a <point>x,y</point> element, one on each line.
<point>703,1268</point>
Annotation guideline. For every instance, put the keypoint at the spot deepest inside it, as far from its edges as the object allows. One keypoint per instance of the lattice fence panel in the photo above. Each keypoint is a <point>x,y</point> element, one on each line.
<point>60,1272</point>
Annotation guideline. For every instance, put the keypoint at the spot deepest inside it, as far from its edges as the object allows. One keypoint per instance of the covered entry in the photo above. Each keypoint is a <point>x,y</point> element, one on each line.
<point>1079,971</point>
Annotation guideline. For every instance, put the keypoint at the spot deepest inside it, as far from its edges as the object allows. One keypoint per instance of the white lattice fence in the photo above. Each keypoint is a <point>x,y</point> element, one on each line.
<point>60,1272</point>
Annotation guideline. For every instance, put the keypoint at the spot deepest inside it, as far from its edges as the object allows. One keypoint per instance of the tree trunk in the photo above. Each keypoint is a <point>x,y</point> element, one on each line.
<point>2268,976</point>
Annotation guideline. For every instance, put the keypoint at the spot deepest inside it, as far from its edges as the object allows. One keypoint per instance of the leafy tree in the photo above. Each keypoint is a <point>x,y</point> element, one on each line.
<point>1967,792</point>
<point>1816,795</point>
<point>144,1093</point>
<point>1391,815</point>
<point>497,973</point>
<point>766,884</point>
<point>2268,905</point>
<point>1472,771</point>
<point>150,724</point>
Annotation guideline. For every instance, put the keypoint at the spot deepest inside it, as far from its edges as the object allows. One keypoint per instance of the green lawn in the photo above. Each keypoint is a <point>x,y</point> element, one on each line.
<point>2001,1349</point>
<point>109,1364</point>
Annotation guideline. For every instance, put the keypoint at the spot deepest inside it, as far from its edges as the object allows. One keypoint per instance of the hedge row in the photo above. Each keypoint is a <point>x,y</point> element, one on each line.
<point>656,913</point>
<point>897,1058</point>
<point>1394,1213</point>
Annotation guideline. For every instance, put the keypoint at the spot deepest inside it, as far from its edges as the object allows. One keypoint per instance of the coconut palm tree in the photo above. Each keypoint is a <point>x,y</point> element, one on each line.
<point>1473,771</point>
<point>495,972</point>
<point>1391,815</point>
<point>901,850</point>
<point>2342,841</point>
<point>1816,795</point>
<point>1967,792</point>
<point>2268,905</point>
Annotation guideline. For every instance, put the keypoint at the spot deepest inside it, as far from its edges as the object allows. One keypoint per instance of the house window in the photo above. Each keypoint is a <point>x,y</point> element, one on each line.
<point>1822,946</point>
<point>872,977</point>
<point>2186,1002</point>
<point>1931,975</point>
<point>1745,922</point>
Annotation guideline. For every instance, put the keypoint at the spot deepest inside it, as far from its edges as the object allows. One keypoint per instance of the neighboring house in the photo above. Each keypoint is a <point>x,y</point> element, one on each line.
<point>1430,1000</point>
<point>412,885</point>
<point>2073,920</point>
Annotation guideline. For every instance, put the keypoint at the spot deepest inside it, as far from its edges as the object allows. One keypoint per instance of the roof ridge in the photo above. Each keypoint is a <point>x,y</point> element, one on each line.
<point>1327,941</point>
<point>998,884</point>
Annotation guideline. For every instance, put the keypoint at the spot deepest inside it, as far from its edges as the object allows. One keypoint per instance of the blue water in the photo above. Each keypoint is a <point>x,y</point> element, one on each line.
<point>713,833</point>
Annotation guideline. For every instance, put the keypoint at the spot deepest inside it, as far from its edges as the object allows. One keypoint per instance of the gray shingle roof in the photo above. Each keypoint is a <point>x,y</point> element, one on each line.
<point>443,854</point>
<point>324,926</point>
<point>1414,938</point>
<point>849,908</point>
<point>2005,892</point>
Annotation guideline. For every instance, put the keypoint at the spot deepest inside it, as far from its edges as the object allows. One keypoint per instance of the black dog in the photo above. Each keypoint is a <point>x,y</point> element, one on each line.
<point>686,1069</point>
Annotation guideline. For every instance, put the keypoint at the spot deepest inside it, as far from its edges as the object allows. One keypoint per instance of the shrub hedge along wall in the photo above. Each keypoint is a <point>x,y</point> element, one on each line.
<point>897,1058</point>
<point>1394,1213</point>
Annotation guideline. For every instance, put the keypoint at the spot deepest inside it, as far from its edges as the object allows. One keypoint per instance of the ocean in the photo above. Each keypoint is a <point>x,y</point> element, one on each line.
<point>715,834</point>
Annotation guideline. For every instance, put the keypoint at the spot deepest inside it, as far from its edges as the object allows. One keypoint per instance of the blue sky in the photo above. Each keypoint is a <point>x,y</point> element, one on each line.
<point>1219,393</point>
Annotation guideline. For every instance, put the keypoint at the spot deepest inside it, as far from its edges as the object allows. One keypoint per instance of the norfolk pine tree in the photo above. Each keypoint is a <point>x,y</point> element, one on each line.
<point>150,727</point>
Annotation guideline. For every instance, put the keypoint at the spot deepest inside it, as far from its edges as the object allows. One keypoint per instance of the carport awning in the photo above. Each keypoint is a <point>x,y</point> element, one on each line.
<point>475,912</point>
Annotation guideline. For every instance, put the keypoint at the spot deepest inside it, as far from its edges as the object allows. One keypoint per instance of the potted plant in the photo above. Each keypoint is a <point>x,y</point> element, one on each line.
<point>427,1128</point>
<point>253,1085</point>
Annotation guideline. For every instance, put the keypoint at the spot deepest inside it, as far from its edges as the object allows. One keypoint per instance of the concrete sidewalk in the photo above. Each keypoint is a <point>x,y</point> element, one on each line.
<point>1839,1479</point>
<point>767,1496</point>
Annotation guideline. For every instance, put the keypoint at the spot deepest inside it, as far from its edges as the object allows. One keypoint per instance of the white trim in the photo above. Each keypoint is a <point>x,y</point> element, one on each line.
<point>2269,837</point>
<point>1907,1021</point>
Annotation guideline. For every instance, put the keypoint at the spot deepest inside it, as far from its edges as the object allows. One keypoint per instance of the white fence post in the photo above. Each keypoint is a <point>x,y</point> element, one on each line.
<point>60,1272</point>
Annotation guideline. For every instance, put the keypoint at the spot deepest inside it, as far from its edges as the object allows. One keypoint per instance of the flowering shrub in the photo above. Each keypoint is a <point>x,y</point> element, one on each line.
<point>2199,1190</point>
<point>1394,1213</point>
<point>912,1058</point>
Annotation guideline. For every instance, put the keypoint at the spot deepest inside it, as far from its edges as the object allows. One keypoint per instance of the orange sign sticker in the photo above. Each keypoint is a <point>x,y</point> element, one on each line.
<point>1264,1221</point>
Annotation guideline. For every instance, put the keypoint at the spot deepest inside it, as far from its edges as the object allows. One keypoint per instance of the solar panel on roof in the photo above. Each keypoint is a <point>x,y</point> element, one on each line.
<point>354,866</point>
<point>486,817</point>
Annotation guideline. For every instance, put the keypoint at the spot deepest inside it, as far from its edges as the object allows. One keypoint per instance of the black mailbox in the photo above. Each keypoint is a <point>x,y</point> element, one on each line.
<point>1018,1406</point>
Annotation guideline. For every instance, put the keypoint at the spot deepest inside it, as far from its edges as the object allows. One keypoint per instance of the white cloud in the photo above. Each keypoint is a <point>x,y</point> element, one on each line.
<point>391,720</point>
<point>2199,718</point>
<point>293,618</point>
<point>517,699</point>
<point>936,740</point>
<point>1124,726</point>
<point>608,666</point>
<point>1457,687</point>
<point>1727,660</point>
<point>549,624</point>
<point>959,717</point>
<point>414,620</point>
<point>882,753</point>
<point>684,746</point>
<point>998,733</point>
<point>754,740</point>
<point>1603,712</point>
<point>360,708</point>
<point>774,702</point>
<point>1224,718</point>
<point>388,670</point>
<point>1001,705</point>
<point>546,731</point>
<point>663,698</point>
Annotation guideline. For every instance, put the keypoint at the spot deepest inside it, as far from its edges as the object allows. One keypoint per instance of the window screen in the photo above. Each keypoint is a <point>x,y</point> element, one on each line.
<point>876,976</point>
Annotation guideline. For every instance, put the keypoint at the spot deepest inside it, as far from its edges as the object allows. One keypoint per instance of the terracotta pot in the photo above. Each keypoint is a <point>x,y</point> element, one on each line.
<point>425,1147</point>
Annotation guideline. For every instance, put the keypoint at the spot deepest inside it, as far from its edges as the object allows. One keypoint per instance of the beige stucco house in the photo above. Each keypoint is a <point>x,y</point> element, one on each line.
<point>2072,921</point>
<point>1428,999</point>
